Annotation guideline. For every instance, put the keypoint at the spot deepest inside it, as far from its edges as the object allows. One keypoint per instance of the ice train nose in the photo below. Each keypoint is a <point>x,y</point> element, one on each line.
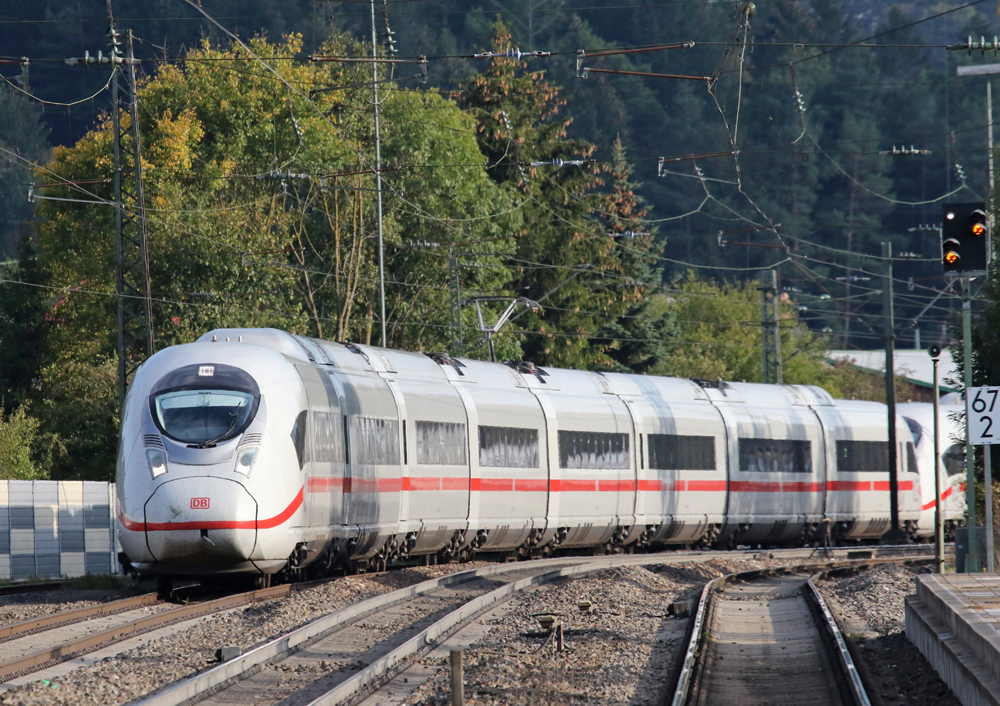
<point>201,520</point>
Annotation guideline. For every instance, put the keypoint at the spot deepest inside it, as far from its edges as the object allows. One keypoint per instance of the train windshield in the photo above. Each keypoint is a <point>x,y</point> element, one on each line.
<point>203,417</point>
<point>203,404</point>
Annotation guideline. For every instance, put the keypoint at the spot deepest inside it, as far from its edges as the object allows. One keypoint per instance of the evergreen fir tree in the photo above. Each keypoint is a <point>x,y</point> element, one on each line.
<point>563,258</point>
<point>639,339</point>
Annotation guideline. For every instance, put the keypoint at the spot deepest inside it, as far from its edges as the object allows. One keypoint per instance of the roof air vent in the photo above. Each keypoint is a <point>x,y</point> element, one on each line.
<point>719,384</point>
<point>526,367</point>
<point>443,358</point>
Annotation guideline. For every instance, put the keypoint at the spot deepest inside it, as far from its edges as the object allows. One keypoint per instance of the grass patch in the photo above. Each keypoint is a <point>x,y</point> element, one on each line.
<point>98,581</point>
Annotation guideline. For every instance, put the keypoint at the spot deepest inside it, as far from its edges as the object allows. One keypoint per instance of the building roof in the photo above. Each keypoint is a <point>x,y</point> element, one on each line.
<point>915,366</point>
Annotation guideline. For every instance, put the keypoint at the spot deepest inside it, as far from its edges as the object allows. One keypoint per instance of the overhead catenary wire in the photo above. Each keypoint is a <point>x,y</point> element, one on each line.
<point>453,219</point>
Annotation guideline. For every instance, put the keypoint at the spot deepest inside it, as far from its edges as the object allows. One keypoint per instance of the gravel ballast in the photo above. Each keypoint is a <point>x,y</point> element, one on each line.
<point>20,607</point>
<point>870,609</point>
<point>161,661</point>
<point>622,650</point>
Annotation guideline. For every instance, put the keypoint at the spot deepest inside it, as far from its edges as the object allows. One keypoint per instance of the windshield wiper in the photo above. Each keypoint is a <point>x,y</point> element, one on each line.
<point>211,442</point>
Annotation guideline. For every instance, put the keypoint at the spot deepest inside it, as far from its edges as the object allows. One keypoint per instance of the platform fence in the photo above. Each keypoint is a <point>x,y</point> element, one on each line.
<point>56,529</point>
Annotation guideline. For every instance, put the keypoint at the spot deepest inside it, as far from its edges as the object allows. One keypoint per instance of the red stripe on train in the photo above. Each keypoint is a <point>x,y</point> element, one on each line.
<point>944,495</point>
<point>848,485</point>
<point>571,485</point>
<point>706,485</point>
<point>268,523</point>
<point>884,485</point>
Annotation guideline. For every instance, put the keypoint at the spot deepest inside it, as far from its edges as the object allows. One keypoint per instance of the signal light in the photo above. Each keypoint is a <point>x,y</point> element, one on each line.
<point>965,239</point>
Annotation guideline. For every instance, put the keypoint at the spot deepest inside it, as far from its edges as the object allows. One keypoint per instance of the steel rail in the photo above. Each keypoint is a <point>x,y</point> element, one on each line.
<point>10,632</point>
<point>370,679</point>
<point>60,653</point>
<point>220,677</point>
<point>847,666</point>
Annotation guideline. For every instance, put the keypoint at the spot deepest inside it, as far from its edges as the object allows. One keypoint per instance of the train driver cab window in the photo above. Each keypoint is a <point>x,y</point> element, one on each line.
<point>954,459</point>
<point>202,405</point>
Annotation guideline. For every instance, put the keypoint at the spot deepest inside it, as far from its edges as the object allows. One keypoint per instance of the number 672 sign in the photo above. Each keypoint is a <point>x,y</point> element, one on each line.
<point>982,404</point>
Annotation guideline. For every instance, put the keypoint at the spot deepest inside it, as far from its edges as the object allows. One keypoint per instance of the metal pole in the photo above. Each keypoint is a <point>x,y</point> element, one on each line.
<point>454,286</point>
<point>770,341</point>
<point>889,325</point>
<point>989,508</point>
<point>140,200</point>
<point>986,448</point>
<point>378,182</point>
<point>989,134</point>
<point>972,563</point>
<point>938,511</point>
<point>119,254</point>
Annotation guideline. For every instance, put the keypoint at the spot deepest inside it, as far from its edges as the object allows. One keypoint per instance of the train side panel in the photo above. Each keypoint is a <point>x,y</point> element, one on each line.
<point>777,462</point>
<point>681,439</point>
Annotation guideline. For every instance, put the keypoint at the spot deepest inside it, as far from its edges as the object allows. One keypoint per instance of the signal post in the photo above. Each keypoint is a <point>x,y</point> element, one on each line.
<point>965,255</point>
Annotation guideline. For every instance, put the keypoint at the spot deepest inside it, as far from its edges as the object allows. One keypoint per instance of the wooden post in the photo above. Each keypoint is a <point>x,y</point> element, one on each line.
<point>457,679</point>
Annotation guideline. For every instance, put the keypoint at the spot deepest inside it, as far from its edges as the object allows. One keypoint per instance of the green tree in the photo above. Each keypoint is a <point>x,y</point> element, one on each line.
<point>640,338</point>
<point>25,316</point>
<point>23,139</point>
<point>78,419</point>
<point>719,336</point>
<point>260,204</point>
<point>564,258</point>
<point>17,436</point>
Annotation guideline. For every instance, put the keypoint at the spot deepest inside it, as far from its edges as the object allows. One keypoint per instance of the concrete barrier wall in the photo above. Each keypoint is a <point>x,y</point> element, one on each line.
<point>56,528</point>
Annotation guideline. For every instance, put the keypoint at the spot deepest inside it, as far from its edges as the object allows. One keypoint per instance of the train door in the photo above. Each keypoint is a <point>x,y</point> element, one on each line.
<point>372,453</point>
<point>508,473</point>
<point>858,480</point>
<point>681,439</point>
<point>319,442</point>
<point>777,462</point>
<point>436,481</point>
<point>590,431</point>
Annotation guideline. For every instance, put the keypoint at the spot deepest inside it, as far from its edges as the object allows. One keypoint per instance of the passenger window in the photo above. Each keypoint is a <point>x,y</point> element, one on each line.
<point>299,438</point>
<point>954,459</point>
<point>775,456</point>
<point>593,450</point>
<point>441,444</point>
<point>508,447</point>
<point>676,452</point>
<point>862,456</point>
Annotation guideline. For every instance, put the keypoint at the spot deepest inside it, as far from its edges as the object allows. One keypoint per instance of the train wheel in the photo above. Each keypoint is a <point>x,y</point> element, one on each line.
<point>164,587</point>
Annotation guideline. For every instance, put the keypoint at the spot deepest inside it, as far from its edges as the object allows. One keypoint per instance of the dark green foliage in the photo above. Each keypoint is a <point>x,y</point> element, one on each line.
<point>565,259</point>
<point>22,142</point>
<point>26,313</point>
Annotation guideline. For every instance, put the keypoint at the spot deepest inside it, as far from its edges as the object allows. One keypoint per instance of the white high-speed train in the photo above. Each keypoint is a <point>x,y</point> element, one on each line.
<point>257,451</point>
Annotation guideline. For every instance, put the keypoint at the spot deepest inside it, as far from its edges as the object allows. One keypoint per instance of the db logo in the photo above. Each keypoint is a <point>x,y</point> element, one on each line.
<point>199,503</point>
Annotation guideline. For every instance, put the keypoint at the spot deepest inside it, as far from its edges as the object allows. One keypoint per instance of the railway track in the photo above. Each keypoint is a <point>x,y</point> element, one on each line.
<point>46,641</point>
<point>339,658</point>
<point>767,638</point>
<point>346,656</point>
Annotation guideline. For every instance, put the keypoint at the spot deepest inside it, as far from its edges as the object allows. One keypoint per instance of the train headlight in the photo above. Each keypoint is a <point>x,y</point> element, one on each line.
<point>244,461</point>
<point>157,462</point>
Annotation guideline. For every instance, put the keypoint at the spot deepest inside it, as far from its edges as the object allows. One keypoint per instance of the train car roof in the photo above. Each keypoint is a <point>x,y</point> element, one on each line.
<point>434,366</point>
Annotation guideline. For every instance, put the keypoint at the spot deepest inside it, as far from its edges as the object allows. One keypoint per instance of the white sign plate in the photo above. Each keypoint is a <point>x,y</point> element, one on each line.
<point>982,405</point>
